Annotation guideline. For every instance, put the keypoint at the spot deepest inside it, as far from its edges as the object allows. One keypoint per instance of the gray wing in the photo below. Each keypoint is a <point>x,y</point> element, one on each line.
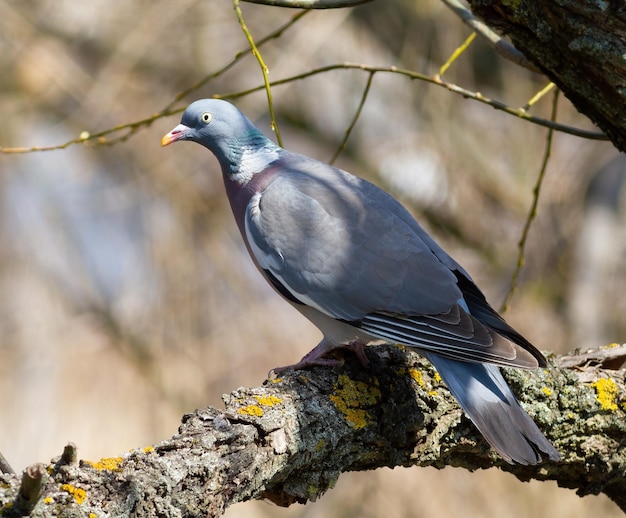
<point>345,247</point>
<point>338,248</point>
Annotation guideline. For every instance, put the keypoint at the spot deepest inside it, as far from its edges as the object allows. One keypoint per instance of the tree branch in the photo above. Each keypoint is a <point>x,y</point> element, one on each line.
<point>580,46</point>
<point>289,440</point>
<point>493,39</point>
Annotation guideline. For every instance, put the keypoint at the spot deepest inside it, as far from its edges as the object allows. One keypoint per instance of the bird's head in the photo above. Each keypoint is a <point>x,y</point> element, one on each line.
<point>218,126</point>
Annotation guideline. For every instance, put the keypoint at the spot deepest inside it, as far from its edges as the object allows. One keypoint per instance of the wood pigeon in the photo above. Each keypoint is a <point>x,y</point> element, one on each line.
<point>353,260</point>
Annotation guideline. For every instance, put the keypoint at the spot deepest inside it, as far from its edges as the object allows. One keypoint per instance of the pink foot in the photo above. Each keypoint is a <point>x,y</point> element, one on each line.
<point>358,349</point>
<point>316,358</point>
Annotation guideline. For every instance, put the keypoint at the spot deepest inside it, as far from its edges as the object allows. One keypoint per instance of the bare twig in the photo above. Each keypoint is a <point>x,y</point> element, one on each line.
<point>458,51</point>
<point>132,127</point>
<point>539,95</point>
<point>264,71</point>
<point>532,213</point>
<point>99,138</point>
<point>468,94</point>
<point>238,56</point>
<point>357,114</point>
<point>499,44</point>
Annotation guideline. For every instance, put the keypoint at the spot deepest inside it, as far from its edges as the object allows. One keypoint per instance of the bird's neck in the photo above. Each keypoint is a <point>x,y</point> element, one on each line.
<point>249,157</point>
<point>240,193</point>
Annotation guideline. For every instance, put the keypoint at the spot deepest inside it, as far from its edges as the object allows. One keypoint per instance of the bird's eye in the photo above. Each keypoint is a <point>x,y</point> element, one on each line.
<point>206,117</point>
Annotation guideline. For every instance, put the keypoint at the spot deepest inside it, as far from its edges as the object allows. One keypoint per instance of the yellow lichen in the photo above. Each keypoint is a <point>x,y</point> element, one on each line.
<point>546,391</point>
<point>92,515</point>
<point>350,396</point>
<point>511,4</point>
<point>78,493</point>
<point>148,449</point>
<point>110,464</point>
<point>355,416</point>
<point>48,500</point>
<point>437,377</point>
<point>606,392</point>
<point>268,400</point>
<point>276,380</point>
<point>253,410</point>
<point>417,376</point>
<point>432,393</point>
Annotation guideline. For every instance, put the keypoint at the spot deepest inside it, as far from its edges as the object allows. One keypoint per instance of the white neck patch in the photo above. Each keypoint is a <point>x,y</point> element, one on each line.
<point>253,160</point>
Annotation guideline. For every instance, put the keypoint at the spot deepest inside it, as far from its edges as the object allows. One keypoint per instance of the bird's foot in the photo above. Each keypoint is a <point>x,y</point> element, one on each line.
<point>316,357</point>
<point>357,347</point>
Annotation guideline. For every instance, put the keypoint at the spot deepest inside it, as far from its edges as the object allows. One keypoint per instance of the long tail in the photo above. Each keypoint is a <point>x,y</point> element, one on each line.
<point>488,401</point>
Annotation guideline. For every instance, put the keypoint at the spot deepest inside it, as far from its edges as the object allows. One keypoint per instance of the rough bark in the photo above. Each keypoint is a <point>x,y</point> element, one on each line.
<point>579,45</point>
<point>290,439</point>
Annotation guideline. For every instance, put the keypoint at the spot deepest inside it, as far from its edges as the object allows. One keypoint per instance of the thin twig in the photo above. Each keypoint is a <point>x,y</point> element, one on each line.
<point>539,95</point>
<point>238,56</point>
<point>264,71</point>
<point>532,213</point>
<point>357,114</point>
<point>458,51</point>
<point>98,139</point>
<point>499,44</point>
<point>468,94</point>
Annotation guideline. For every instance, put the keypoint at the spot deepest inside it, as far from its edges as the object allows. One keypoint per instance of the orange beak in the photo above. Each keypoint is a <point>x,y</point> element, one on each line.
<point>176,134</point>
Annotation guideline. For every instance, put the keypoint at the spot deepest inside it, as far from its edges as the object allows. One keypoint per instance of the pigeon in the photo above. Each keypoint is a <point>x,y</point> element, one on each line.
<point>356,263</point>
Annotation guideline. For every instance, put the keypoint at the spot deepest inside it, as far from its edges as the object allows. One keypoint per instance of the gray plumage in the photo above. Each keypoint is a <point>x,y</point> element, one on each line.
<point>353,260</point>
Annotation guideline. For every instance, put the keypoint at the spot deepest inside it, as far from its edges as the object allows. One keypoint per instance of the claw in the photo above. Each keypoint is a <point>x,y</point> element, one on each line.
<point>316,357</point>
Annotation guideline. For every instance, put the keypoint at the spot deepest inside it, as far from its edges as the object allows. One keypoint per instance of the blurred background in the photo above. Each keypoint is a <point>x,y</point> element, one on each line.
<point>126,295</point>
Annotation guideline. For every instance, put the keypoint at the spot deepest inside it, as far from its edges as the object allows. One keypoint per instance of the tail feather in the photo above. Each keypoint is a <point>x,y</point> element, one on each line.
<point>488,401</point>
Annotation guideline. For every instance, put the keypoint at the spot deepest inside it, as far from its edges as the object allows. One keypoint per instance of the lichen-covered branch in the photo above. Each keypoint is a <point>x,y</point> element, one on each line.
<point>580,46</point>
<point>290,439</point>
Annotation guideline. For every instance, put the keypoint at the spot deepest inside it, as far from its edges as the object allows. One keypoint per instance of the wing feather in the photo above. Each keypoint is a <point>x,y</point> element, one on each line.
<point>336,246</point>
<point>343,246</point>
